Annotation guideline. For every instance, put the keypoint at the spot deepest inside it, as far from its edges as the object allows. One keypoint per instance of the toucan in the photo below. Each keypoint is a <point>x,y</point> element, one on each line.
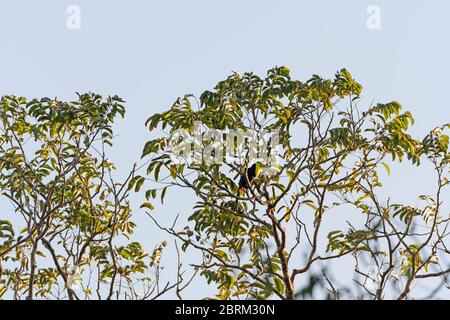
<point>251,173</point>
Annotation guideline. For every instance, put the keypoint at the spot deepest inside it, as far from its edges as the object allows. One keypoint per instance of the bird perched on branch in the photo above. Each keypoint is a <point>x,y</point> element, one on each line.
<point>251,174</point>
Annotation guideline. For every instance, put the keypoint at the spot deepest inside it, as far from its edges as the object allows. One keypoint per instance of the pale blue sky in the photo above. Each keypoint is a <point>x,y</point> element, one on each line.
<point>151,52</point>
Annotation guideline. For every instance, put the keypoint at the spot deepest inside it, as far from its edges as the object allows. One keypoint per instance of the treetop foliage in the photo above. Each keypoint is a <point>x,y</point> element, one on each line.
<point>320,202</point>
<point>333,153</point>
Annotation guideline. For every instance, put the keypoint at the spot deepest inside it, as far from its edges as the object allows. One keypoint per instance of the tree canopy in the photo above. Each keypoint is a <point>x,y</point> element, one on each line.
<point>73,241</point>
<point>287,178</point>
<point>267,242</point>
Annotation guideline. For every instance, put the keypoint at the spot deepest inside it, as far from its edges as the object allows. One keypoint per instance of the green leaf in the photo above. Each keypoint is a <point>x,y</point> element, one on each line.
<point>139,183</point>
<point>387,168</point>
<point>147,205</point>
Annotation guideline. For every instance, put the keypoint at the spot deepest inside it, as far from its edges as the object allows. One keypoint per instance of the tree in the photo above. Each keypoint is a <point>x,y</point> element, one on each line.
<point>272,241</point>
<point>71,235</point>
